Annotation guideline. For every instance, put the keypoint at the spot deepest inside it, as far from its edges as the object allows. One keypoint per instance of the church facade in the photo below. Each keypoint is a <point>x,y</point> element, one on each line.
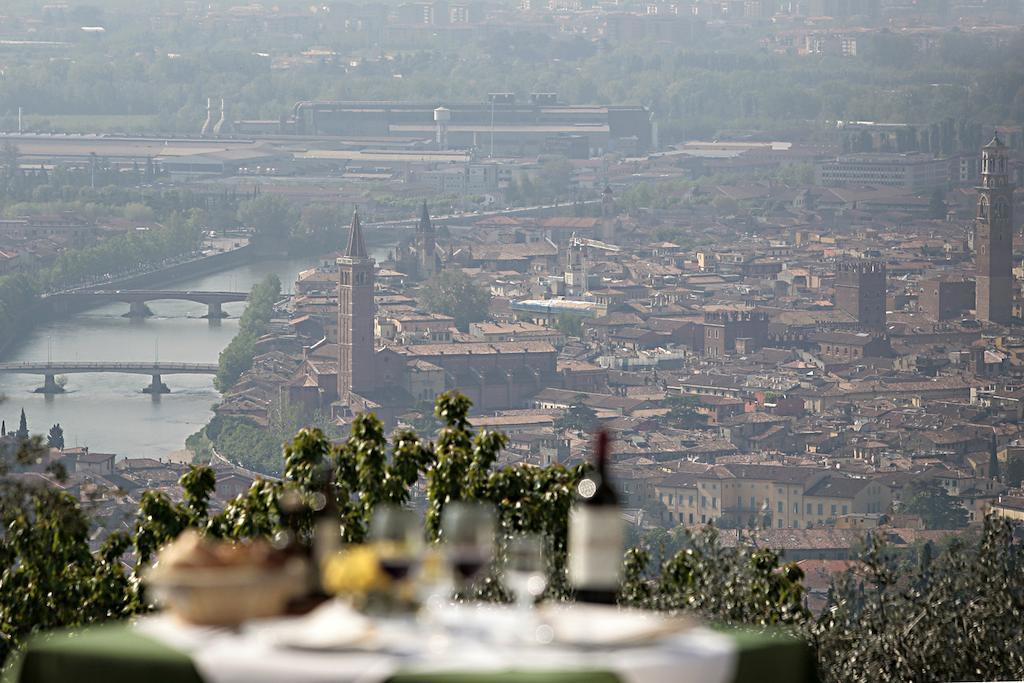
<point>392,380</point>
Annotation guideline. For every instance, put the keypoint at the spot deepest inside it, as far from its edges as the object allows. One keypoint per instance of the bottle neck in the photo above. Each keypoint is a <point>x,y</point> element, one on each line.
<point>601,465</point>
<point>601,455</point>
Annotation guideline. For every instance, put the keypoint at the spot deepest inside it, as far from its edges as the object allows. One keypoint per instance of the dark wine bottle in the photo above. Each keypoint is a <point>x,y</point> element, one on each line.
<point>326,530</point>
<point>596,533</point>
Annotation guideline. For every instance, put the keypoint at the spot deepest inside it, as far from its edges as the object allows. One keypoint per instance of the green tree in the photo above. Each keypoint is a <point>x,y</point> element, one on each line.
<point>237,356</point>
<point>55,439</point>
<point>570,325</point>
<point>48,575</point>
<point>271,217</point>
<point>1015,471</point>
<point>578,418</point>
<point>22,433</point>
<point>452,292</point>
<point>555,176</point>
<point>939,510</point>
<point>953,617</point>
<point>683,412</point>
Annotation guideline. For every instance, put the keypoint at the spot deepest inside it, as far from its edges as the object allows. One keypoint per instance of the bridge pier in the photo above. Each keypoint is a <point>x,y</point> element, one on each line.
<point>138,309</point>
<point>156,387</point>
<point>214,311</point>
<point>50,386</point>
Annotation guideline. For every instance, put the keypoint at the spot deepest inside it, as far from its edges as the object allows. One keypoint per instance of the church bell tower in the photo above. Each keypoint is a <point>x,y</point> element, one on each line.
<point>355,316</point>
<point>993,238</point>
<point>426,259</point>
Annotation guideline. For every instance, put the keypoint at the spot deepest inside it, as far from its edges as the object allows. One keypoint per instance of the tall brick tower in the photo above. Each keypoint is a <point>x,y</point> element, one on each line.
<point>425,245</point>
<point>355,316</point>
<point>993,237</point>
<point>860,291</point>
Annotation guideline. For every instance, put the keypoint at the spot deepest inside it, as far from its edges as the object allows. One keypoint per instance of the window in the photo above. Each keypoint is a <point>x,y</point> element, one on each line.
<point>845,509</point>
<point>753,503</point>
<point>691,518</point>
<point>833,510</point>
<point>703,502</point>
<point>714,503</point>
<point>796,508</point>
<point>739,503</point>
<point>670,499</point>
<point>808,508</point>
<point>780,523</point>
<point>691,503</point>
<point>821,509</point>
<point>780,507</point>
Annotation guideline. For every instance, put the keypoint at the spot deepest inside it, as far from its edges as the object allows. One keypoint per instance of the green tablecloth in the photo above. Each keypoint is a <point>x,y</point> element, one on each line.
<point>117,654</point>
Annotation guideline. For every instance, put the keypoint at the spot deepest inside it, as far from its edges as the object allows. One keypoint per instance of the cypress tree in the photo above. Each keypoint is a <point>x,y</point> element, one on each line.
<point>22,432</point>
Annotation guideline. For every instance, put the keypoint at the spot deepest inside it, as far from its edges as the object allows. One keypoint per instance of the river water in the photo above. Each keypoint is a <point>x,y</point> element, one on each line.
<point>108,412</point>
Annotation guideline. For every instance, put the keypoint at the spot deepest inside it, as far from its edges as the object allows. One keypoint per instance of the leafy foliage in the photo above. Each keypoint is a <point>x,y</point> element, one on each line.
<point>956,618</point>
<point>237,356</point>
<point>272,218</point>
<point>683,412</point>
<point>937,508</point>
<point>48,576</point>
<point>740,585</point>
<point>55,439</point>
<point>578,418</point>
<point>452,292</point>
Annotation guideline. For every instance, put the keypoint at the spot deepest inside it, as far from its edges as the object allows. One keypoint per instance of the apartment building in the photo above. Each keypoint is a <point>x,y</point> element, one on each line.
<point>776,496</point>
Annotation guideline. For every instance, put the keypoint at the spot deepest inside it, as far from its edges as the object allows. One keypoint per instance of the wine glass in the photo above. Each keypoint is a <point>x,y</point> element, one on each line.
<point>468,534</point>
<point>525,569</point>
<point>397,536</point>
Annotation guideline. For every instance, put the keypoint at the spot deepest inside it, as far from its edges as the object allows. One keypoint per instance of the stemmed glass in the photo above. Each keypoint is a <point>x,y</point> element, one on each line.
<point>525,569</point>
<point>397,536</point>
<point>468,534</point>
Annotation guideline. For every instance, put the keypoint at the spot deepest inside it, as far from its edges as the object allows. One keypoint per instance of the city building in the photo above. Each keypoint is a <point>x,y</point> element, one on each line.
<point>913,171</point>
<point>860,291</point>
<point>993,237</point>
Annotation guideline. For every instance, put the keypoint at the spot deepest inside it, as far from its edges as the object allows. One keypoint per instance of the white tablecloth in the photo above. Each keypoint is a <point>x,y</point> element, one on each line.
<point>487,639</point>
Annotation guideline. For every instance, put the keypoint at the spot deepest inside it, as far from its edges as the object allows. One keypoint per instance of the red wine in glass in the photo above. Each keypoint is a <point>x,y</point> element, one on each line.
<point>468,565</point>
<point>397,568</point>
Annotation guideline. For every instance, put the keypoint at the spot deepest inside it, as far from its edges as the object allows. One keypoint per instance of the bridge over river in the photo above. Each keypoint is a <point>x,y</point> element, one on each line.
<point>50,369</point>
<point>137,298</point>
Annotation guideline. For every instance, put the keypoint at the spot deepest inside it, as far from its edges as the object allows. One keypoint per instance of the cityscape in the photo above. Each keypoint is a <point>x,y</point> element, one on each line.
<point>741,281</point>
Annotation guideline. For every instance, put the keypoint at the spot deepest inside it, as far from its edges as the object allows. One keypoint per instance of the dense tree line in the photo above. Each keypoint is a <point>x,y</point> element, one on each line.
<point>237,356</point>
<point>933,616</point>
<point>710,84</point>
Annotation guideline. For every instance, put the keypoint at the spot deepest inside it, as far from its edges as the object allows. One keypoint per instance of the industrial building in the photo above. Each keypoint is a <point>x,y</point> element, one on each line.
<point>501,125</point>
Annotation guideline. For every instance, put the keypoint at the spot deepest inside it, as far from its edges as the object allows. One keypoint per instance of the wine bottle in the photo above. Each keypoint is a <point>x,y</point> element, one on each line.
<point>596,533</point>
<point>326,531</point>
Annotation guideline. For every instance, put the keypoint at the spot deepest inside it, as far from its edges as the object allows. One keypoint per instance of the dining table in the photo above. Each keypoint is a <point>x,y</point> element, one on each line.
<point>454,644</point>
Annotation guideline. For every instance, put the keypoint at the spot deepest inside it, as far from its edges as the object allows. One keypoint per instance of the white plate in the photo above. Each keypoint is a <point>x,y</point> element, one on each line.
<point>332,626</point>
<point>582,625</point>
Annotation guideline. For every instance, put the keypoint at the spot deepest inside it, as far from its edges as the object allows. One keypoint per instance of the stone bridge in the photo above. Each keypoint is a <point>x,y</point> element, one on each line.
<point>137,298</point>
<point>49,370</point>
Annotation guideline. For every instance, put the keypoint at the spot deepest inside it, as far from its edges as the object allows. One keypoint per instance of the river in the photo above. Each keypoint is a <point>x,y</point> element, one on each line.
<point>108,412</point>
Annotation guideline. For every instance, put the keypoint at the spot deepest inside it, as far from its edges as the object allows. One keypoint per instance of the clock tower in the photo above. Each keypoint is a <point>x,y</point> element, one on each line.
<point>993,239</point>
